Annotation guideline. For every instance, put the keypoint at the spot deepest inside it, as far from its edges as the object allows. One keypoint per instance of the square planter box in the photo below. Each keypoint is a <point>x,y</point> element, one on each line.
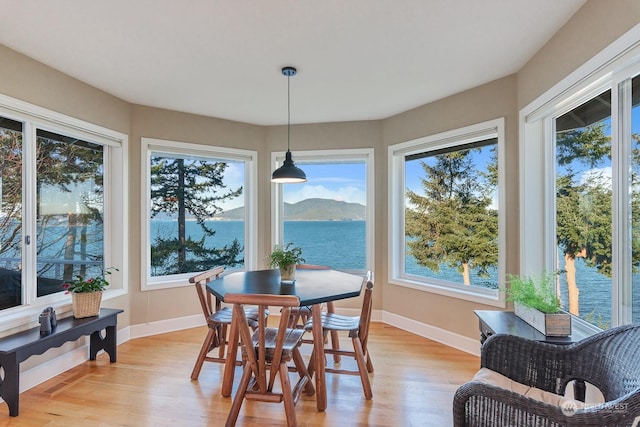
<point>553,325</point>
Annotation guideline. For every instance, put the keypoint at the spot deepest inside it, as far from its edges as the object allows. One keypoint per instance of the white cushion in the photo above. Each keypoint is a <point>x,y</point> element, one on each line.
<point>488,376</point>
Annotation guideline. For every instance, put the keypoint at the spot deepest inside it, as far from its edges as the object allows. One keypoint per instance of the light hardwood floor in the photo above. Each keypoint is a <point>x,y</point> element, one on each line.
<point>413,385</point>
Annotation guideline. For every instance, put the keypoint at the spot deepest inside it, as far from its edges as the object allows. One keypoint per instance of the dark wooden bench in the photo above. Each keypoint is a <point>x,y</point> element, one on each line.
<point>18,347</point>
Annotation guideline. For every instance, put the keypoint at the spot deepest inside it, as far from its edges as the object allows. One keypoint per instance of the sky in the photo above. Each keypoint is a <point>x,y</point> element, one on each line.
<point>335,181</point>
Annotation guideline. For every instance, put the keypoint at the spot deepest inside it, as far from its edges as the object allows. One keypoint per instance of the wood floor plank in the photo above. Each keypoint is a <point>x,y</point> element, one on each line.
<point>413,385</point>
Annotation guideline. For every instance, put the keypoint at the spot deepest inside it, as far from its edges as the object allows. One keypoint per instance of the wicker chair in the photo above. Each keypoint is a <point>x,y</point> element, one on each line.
<point>608,360</point>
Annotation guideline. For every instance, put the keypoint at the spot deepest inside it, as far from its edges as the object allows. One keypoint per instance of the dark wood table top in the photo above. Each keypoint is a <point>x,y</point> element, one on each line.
<point>311,286</point>
<point>506,322</point>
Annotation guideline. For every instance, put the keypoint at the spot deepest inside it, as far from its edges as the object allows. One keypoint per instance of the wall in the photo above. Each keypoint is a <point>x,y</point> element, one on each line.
<point>595,26</point>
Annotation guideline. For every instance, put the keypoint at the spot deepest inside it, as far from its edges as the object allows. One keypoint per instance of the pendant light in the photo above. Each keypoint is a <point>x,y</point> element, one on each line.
<point>288,173</point>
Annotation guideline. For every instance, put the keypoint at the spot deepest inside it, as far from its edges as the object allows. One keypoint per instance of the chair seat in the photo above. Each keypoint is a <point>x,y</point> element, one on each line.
<point>336,322</point>
<point>292,339</point>
<point>224,316</point>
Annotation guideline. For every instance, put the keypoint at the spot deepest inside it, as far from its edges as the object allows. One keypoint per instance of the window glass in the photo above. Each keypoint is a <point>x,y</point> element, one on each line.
<point>70,210</point>
<point>196,212</point>
<point>635,197</point>
<point>10,213</point>
<point>451,214</point>
<point>583,209</point>
<point>327,215</point>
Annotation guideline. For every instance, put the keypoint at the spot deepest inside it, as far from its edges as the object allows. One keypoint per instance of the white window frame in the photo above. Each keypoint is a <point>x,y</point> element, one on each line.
<point>149,145</point>
<point>327,156</point>
<point>116,199</point>
<point>397,188</point>
<point>606,70</point>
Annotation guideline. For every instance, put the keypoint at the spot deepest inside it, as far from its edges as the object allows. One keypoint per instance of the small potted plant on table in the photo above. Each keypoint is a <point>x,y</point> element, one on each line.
<point>535,301</point>
<point>285,258</point>
<point>86,293</point>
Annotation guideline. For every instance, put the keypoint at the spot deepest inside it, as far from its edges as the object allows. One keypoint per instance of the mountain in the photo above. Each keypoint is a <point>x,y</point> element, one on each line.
<point>310,210</point>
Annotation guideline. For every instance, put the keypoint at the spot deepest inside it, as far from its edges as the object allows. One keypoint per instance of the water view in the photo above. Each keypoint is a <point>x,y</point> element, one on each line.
<point>341,245</point>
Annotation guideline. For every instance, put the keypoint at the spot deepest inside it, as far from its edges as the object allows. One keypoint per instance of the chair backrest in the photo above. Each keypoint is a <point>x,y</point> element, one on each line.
<point>267,349</point>
<point>365,313</point>
<point>609,360</point>
<point>200,281</point>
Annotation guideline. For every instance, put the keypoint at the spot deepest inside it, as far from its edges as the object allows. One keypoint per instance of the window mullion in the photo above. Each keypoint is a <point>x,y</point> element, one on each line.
<point>621,239</point>
<point>29,251</point>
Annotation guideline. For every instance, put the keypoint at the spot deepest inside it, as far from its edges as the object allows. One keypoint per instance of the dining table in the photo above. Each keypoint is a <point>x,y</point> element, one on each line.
<point>312,287</point>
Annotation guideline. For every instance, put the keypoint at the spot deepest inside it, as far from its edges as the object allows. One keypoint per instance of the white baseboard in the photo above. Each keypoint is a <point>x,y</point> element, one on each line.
<point>451,339</point>
<point>164,326</point>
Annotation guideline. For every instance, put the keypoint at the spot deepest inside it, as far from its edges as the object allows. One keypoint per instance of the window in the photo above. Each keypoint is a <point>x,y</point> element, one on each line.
<point>198,212</point>
<point>331,215</point>
<point>445,221</point>
<point>60,201</point>
<point>580,204</point>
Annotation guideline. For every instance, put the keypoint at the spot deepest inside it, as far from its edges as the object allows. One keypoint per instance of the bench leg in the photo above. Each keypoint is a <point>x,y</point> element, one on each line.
<point>10,384</point>
<point>108,343</point>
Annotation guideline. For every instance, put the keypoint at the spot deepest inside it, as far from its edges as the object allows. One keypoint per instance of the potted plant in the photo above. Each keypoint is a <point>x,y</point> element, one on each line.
<point>535,301</point>
<point>285,258</point>
<point>86,293</point>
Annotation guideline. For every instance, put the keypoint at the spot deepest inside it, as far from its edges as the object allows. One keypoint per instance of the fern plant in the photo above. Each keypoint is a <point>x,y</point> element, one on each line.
<point>534,292</point>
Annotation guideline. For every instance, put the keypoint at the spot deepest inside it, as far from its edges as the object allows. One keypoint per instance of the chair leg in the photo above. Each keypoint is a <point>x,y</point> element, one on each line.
<point>369,362</point>
<point>294,318</point>
<point>287,396</point>
<point>311,366</point>
<point>239,397</point>
<point>223,340</point>
<point>362,368</point>
<point>303,372</point>
<point>335,344</point>
<point>206,348</point>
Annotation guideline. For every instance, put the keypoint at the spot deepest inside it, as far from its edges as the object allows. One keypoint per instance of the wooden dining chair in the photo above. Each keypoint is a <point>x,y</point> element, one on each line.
<point>358,329</point>
<point>265,355</point>
<point>301,315</point>
<point>217,318</point>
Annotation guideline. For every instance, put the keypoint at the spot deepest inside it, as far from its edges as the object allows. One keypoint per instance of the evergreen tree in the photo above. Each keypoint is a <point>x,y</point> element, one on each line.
<point>453,222</point>
<point>583,209</point>
<point>189,186</point>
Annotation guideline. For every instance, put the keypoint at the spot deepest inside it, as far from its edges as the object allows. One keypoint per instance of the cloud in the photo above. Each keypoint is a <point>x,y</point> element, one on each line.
<point>597,176</point>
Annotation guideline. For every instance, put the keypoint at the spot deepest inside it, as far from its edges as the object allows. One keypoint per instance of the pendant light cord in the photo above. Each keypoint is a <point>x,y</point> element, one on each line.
<point>288,111</point>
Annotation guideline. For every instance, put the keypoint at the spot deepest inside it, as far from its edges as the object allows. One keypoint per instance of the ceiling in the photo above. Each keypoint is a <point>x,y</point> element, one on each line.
<point>356,59</point>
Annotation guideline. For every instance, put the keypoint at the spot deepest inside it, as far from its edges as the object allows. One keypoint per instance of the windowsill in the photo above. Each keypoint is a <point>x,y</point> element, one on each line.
<point>449,292</point>
<point>26,317</point>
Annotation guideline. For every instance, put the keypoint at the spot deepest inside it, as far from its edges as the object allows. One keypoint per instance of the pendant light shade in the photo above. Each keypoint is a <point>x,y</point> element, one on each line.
<point>288,173</point>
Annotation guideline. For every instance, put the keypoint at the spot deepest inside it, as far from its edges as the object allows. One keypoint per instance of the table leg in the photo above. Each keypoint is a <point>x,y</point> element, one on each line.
<point>230,362</point>
<point>109,343</point>
<point>335,338</point>
<point>10,384</point>
<point>318,351</point>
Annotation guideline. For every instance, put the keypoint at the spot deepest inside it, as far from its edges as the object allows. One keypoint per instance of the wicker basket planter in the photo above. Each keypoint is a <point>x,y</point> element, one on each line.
<point>86,304</point>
